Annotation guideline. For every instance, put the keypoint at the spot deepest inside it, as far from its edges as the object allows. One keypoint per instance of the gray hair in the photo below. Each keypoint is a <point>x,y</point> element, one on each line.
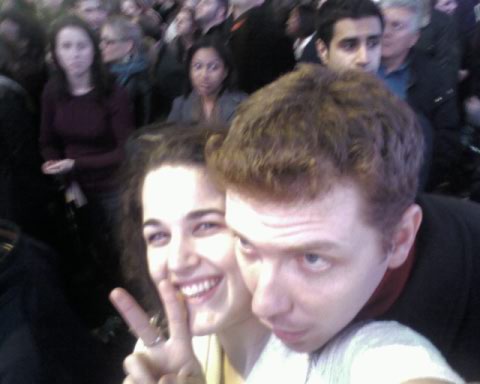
<point>415,6</point>
<point>126,29</point>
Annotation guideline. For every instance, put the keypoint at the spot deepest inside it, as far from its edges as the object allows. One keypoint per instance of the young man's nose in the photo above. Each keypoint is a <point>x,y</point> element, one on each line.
<point>363,56</point>
<point>269,297</point>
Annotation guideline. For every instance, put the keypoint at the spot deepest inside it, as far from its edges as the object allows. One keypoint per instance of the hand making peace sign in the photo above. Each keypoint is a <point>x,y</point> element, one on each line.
<point>159,360</point>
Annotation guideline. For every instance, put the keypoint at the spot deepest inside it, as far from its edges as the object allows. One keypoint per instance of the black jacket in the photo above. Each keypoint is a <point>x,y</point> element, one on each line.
<point>137,83</point>
<point>24,190</point>
<point>442,297</point>
<point>430,94</point>
<point>309,54</point>
<point>41,340</point>
<point>261,50</point>
<point>439,40</point>
<point>168,77</point>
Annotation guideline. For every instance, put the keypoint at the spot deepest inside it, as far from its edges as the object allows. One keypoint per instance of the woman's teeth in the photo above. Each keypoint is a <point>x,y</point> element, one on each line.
<point>198,289</point>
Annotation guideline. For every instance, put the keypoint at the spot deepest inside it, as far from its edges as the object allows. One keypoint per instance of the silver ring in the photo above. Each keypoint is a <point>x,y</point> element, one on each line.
<point>154,342</point>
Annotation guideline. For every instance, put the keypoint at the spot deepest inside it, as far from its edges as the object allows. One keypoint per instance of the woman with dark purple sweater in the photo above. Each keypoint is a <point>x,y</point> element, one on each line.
<point>86,120</point>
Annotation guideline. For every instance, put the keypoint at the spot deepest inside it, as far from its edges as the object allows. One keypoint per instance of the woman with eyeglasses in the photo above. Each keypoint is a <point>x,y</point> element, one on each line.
<point>121,46</point>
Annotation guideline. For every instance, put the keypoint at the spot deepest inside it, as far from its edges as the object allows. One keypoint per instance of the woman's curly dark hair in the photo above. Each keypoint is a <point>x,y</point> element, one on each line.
<point>147,149</point>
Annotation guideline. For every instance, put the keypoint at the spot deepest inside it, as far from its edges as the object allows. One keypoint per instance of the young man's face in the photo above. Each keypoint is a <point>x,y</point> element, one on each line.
<point>356,44</point>
<point>310,266</point>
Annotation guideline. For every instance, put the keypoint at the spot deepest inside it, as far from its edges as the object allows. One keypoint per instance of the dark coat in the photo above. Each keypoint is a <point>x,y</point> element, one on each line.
<point>309,54</point>
<point>168,77</point>
<point>442,297</point>
<point>439,40</point>
<point>24,190</point>
<point>465,16</point>
<point>139,90</point>
<point>261,50</point>
<point>430,93</point>
<point>41,340</point>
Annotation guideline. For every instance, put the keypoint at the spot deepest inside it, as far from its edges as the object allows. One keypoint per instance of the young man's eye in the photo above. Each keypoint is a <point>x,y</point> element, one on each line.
<point>374,42</point>
<point>314,261</point>
<point>348,45</point>
<point>243,244</point>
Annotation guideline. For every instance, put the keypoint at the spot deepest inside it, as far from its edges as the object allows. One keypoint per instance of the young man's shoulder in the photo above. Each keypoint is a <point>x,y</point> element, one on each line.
<point>367,352</point>
<point>380,352</point>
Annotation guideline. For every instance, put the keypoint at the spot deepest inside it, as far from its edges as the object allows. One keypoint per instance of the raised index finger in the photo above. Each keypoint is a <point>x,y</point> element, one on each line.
<point>136,318</point>
<point>176,312</point>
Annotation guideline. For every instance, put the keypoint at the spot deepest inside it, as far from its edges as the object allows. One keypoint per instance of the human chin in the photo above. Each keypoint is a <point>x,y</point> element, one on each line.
<point>300,341</point>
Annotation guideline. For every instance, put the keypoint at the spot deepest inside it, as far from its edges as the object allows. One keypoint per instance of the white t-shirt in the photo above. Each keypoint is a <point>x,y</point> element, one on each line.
<point>373,353</point>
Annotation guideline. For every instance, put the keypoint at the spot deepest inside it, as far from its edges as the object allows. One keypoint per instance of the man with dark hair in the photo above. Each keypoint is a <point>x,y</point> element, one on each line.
<point>211,15</point>
<point>321,194</point>
<point>349,34</point>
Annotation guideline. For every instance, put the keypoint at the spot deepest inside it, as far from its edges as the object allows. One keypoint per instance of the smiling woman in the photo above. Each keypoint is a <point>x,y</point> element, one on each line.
<point>173,219</point>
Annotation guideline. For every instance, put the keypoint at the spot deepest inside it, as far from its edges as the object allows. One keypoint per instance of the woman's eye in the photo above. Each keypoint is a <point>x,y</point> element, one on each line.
<point>157,238</point>
<point>207,228</point>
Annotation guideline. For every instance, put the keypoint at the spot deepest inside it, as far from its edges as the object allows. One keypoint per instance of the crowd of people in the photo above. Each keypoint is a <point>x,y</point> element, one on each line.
<point>199,146</point>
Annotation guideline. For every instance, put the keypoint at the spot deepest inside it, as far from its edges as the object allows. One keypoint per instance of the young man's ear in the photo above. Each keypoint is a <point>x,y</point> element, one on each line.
<point>404,236</point>
<point>322,51</point>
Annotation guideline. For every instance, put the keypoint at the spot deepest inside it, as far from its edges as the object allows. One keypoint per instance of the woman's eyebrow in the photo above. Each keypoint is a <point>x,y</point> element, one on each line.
<point>203,212</point>
<point>191,216</point>
<point>151,222</point>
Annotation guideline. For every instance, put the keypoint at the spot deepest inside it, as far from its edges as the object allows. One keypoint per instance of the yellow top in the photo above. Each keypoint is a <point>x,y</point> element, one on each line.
<point>230,375</point>
<point>216,367</point>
